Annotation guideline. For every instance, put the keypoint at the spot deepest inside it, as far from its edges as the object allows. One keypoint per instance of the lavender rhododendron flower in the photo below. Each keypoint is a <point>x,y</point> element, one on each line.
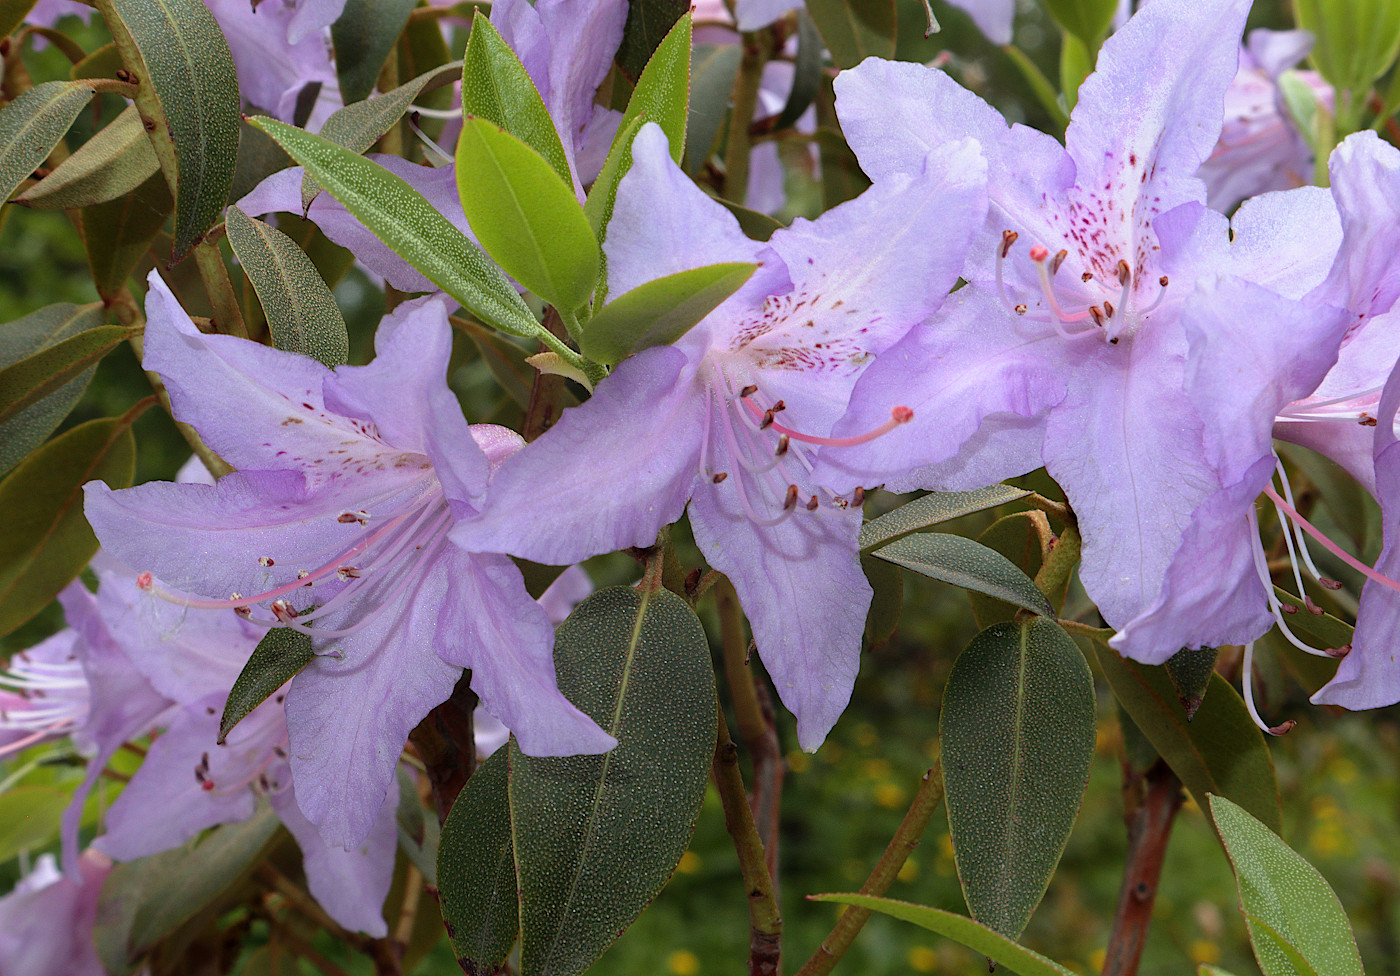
<point>1113,329</point>
<point>730,416</point>
<point>46,922</point>
<point>336,524</point>
<point>278,57</point>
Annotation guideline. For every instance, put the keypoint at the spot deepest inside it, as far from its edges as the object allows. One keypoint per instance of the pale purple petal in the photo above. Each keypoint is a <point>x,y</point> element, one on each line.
<point>569,589</point>
<point>1365,175</point>
<point>1285,241</point>
<point>992,17</point>
<point>1277,51</point>
<point>272,68</point>
<point>313,15</point>
<point>46,922</point>
<point>754,15</point>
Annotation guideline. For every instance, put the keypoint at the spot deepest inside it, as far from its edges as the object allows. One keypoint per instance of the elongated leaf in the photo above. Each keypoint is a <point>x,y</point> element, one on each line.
<point>525,216</point>
<point>476,871</point>
<point>47,541</point>
<point>118,233</point>
<point>115,161</point>
<point>301,313</point>
<point>1087,20</point>
<point>711,82</point>
<point>31,126</point>
<point>419,835</point>
<point>278,658</point>
<point>145,900</point>
<point>662,94</point>
<point>363,35</point>
<point>37,331</point>
<point>29,817</point>
<point>969,564</point>
<point>1190,671</point>
<point>1023,538</point>
<point>357,126</point>
<point>996,947</point>
<point>660,311</point>
<point>931,509</point>
<point>35,377</point>
<point>596,837</point>
<point>400,217</point>
<point>1322,630</point>
<point>602,196</point>
<point>1282,892</point>
<point>496,86</point>
<point>190,104</point>
<point>1017,734</point>
<point>648,23</point>
<point>12,14</point>
<point>855,29</point>
<point>1219,751</point>
<point>887,604</point>
<point>807,72</point>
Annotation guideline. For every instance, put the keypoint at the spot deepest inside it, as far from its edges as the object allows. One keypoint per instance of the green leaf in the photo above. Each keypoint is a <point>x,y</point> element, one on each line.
<point>1023,538</point>
<point>1206,969</point>
<point>1322,630</point>
<point>118,233</point>
<point>357,126</point>
<point>931,509</point>
<point>1219,751</point>
<point>660,311</point>
<point>29,818</point>
<point>363,36</point>
<point>496,86</point>
<point>301,314</point>
<point>807,72</point>
<point>32,124</point>
<point>104,62</point>
<point>598,208</point>
<point>996,947</point>
<point>887,605</point>
<point>476,871</point>
<point>47,541</point>
<point>1280,890</point>
<point>1356,40</point>
<point>24,337</point>
<point>1075,65</point>
<point>842,178</point>
<point>1190,670</point>
<point>278,658</point>
<point>662,94</point>
<point>145,900</point>
<point>757,226</point>
<point>400,217</point>
<point>188,94</point>
<point>12,14</point>
<point>597,837</point>
<point>1087,20</point>
<point>1040,85</point>
<point>855,29</point>
<point>712,69</point>
<point>1017,734</point>
<point>419,835</point>
<point>648,23</point>
<point>525,216</point>
<point>504,358</point>
<point>115,161</point>
<point>35,377</point>
<point>969,564</point>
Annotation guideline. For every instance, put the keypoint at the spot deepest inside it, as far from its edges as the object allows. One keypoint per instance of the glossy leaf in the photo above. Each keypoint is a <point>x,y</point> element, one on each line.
<point>301,313</point>
<point>1288,905</point>
<point>1017,733</point>
<point>996,947</point>
<point>931,509</point>
<point>24,337</point>
<point>29,818</point>
<point>47,541</point>
<point>188,94</point>
<point>756,226</point>
<point>648,23</point>
<point>1220,751</point>
<point>807,72</point>
<point>118,233</point>
<point>31,379</point>
<point>476,871</point>
<point>662,94</point>
<point>1190,670</point>
<point>32,124</point>
<point>660,311</point>
<point>400,217</point>
<point>855,29</point>
<point>525,216</point>
<point>971,565</point>
<point>1024,538</point>
<point>363,36</point>
<point>597,837</point>
<point>278,658</point>
<point>115,161</point>
<point>496,87</point>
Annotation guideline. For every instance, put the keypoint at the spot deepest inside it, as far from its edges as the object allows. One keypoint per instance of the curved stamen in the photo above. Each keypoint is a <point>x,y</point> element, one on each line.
<point>1162,282</point>
<point>1008,237</point>
<point>898,416</point>
<point>1261,569</point>
<point>732,442</point>
<point>1329,545</point>
<point>1040,255</point>
<point>1247,682</point>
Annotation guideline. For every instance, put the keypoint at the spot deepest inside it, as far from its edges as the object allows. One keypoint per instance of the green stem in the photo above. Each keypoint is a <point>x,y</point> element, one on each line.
<point>1053,578</point>
<point>1056,510</point>
<point>228,317</point>
<point>743,101</point>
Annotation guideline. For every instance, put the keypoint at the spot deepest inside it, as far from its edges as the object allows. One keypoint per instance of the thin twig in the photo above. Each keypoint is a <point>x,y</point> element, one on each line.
<point>547,390</point>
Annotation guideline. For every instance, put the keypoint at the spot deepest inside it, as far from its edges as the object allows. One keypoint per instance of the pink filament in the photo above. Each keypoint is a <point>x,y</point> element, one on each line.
<point>1329,545</point>
<point>898,417</point>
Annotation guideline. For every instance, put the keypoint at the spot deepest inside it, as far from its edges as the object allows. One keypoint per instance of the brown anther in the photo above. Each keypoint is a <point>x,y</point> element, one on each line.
<point>1008,237</point>
<point>1020,309</point>
<point>1058,260</point>
<point>348,572</point>
<point>1108,308</point>
<point>1313,608</point>
<point>347,517</point>
<point>302,574</point>
<point>1125,273</point>
<point>782,447</point>
<point>282,610</point>
<point>790,502</point>
<point>1339,652</point>
<point>1113,341</point>
<point>770,413</point>
<point>266,561</point>
<point>1086,276</point>
<point>1330,584</point>
<point>126,76</point>
<point>204,762</point>
<point>1283,728</point>
<point>748,391</point>
<point>244,612</point>
<point>719,476</point>
<point>199,776</point>
<point>812,504</point>
<point>858,497</point>
<point>1096,314</point>
<point>1366,420</point>
<point>1163,281</point>
<point>1288,608</point>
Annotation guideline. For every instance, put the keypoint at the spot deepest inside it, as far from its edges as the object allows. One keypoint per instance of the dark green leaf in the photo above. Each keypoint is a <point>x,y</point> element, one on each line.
<point>419,835</point>
<point>12,14</point>
<point>662,94</point>
<point>712,69</point>
<point>476,871</point>
<point>1022,537</point>
<point>400,217</point>
<point>1322,630</point>
<point>32,125</point>
<point>278,658</point>
<point>105,62</point>
<point>35,377</point>
<point>505,360</point>
<point>1285,893</point>
<point>968,564</point>
<point>115,161</point>
<point>1040,86</point>
<point>855,29</point>
<point>118,233</point>
<point>596,837</point>
<point>996,947</point>
<point>1190,671</point>
<point>1017,735</point>
<point>301,314</point>
<point>37,331</point>
<point>660,311</point>
<point>755,225</point>
<point>648,23</point>
<point>931,509</point>
<point>887,580</point>
<point>1219,751</point>
<point>188,93</point>
<point>525,216</point>
<point>807,72</point>
<point>496,87</point>
<point>363,36</point>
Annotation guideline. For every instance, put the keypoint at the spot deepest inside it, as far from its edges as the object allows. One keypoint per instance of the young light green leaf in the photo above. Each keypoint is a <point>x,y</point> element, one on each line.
<point>117,234</point>
<point>931,509</point>
<point>301,313</point>
<point>596,837</point>
<point>662,94</point>
<point>855,29</point>
<point>996,947</point>
<point>496,86</point>
<point>1286,897</point>
<point>29,817</point>
<point>188,94</point>
<point>598,208</point>
<point>115,161</point>
<point>971,565</point>
<point>661,311</point>
<point>32,124</point>
<point>400,217</point>
<point>525,216</point>
<point>1017,733</point>
<point>47,541</point>
<point>1087,20</point>
<point>278,658</point>
<point>363,35</point>
<point>35,377</point>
